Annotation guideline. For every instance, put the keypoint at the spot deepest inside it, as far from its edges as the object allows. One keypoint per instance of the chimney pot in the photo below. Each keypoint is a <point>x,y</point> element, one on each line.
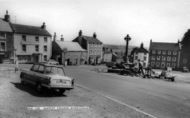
<point>43,25</point>
<point>7,16</point>
<point>62,39</point>
<point>54,36</point>
<point>94,35</point>
<point>80,33</point>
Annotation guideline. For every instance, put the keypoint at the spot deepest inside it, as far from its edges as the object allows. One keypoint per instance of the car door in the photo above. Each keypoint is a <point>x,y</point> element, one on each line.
<point>33,74</point>
<point>40,77</point>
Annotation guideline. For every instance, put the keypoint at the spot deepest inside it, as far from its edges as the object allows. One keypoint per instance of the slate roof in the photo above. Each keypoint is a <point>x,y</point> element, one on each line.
<point>89,39</point>
<point>164,46</point>
<point>30,30</point>
<point>5,26</point>
<point>71,46</point>
<point>139,50</point>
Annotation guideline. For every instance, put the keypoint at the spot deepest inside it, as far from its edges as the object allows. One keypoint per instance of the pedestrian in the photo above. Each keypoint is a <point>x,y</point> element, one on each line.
<point>141,68</point>
<point>148,70</point>
<point>16,65</point>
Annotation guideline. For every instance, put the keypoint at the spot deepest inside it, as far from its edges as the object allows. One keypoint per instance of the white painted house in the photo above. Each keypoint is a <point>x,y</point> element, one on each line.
<point>140,54</point>
<point>31,43</point>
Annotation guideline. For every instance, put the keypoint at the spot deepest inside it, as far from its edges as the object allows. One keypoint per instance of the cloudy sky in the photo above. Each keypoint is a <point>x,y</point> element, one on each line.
<point>112,20</point>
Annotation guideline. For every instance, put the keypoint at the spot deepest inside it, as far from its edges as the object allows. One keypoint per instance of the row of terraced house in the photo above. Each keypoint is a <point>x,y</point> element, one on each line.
<point>29,44</point>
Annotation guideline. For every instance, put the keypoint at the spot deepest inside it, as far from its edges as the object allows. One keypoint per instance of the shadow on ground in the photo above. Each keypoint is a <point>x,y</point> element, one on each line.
<point>31,89</point>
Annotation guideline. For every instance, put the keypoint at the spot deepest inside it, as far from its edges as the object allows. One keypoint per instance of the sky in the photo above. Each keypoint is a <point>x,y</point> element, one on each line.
<point>112,20</point>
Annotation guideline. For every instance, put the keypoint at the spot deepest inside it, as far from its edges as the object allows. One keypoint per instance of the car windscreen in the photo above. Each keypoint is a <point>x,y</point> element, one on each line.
<point>54,70</point>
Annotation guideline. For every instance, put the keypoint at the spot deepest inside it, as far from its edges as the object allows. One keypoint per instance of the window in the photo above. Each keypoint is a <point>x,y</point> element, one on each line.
<point>35,67</point>
<point>153,52</point>
<point>153,58</point>
<point>158,57</point>
<point>55,70</point>
<point>163,65</point>
<point>45,39</point>
<point>159,52</point>
<point>173,65</point>
<point>136,57</point>
<point>163,58</point>
<point>37,48</point>
<point>169,52</point>
<point>45,57</point>
<point>24,48</point>
<point>3,35</point>
<point>163,52</point>
<point>152,64</point>
<point>174,52</point>
<point>168,65</point>
<point>145,58</point>
<point>157,64</point>
<point>37,39</point>
<point>174,59</point>
<point>45,48</point>
<point>24,37</point>
<point>168,58</point>
<point>41,69</point>
<point>2,46</point>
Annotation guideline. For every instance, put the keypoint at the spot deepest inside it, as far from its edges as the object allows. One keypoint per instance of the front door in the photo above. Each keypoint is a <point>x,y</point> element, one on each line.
<point>36,58</point>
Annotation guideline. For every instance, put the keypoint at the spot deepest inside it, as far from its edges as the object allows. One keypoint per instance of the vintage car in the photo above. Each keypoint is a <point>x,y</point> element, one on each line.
<point>185,69</point>
<point>167,75</point>
<point>47,76</point>
<point>52,62</point>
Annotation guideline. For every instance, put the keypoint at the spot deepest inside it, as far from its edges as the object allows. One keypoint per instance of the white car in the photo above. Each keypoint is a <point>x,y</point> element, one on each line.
<point>52,62</point>
<point>48,76</point>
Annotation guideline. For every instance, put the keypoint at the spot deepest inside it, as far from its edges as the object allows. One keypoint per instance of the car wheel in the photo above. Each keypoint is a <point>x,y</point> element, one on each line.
<point>172,79</point>
<point>61,91</point>
<point>22,82</point>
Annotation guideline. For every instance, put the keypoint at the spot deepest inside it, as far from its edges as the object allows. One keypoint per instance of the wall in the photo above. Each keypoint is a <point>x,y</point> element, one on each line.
<point>30,45</point>
<point>141,58</point>
<point>74,57</point>
<point>94,51</point>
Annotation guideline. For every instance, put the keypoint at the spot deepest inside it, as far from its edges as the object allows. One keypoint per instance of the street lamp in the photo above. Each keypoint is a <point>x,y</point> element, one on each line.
<point>127,39</point>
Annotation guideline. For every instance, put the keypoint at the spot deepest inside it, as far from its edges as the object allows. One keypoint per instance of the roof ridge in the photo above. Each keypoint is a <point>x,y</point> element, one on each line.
<point>26,25</point>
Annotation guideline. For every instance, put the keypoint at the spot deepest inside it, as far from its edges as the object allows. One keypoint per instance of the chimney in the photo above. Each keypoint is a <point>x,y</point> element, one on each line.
<point>94,35</point>
<point>62,39</point>
<point>142,45</point>
<point>43,25</point>
<point>54,36</point>
<point>80,33</point>
<point>7,16</point>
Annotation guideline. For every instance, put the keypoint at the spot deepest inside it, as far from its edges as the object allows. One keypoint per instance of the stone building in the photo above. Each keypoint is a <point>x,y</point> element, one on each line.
<point>92,45</point>
<point>163,55</point>
<point>31,43</point>
<point>67,52</point>
<point>140,54</point>
<point>6,38</point>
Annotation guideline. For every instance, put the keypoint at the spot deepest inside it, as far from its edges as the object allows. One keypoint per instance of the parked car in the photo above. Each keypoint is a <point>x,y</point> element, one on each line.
<point>185,69</point>
<point>52,62</point>
<point>47,76</point>
<point>128,69</point>
<point>167,75</point>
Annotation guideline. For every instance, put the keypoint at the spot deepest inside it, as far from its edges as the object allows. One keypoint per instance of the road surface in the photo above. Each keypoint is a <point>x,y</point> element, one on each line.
<point>160,98</point>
